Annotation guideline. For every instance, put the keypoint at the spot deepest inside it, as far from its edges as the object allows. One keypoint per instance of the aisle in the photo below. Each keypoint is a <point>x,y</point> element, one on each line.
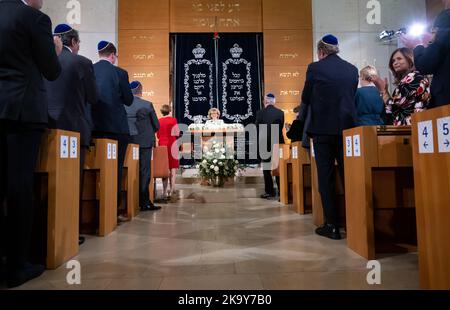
<point>236,242</point>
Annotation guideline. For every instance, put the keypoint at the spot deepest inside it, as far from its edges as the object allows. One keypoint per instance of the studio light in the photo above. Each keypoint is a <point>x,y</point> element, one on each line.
<point>415,30</point>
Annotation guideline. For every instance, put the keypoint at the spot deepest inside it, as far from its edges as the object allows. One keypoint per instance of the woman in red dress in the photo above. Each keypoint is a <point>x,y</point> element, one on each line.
<point>168,134</point>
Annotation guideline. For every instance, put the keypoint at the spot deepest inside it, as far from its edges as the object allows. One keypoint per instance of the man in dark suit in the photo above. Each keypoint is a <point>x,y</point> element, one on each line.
<point>432,56</point>
<point>330,89</point>
<point>27,51</point>
<point>70,95</point>
<point>269,123</point>
<point>143,124</point>
<point>109,116</point>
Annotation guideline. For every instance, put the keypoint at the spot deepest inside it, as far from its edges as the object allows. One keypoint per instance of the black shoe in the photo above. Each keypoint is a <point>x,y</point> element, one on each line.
<point>81,240</point>
<point>267,196</point>
<point>150,208</point>
<point>21,276</point>
<point>330,231</point>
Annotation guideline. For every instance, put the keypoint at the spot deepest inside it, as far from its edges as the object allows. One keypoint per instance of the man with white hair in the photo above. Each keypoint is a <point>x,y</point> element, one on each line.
<point>330,89</point>
<point>269,123</point>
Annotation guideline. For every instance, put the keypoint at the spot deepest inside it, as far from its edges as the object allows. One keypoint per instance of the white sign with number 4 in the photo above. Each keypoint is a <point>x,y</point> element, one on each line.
<point>443,125</point>
<point>426,140</point>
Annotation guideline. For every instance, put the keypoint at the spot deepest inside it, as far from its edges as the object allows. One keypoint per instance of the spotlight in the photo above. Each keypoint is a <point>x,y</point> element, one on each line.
<point>416,30</point>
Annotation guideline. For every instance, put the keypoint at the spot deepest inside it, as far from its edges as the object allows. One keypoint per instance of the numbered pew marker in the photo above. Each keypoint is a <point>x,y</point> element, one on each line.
<point>64,147</point>
<point>443,125</point>
<point>281,153</point>
<point>426,139</point>
<point>114,151</point>
<point>137,153</point>
<point>357,146</point>
<point>348,147</point>
<point>109,152</point>
<point>295,152</point>
<point>73,147</point>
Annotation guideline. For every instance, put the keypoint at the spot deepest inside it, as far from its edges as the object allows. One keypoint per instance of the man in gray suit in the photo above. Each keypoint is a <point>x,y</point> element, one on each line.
<point>143,124</point>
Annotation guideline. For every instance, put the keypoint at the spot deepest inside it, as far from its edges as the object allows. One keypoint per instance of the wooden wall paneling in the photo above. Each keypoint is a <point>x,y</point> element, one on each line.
<point>201,15</point>
<point>143,14</point>
<point>155,82</point>
<point>289,14</point>
<point>143,48</point>
<point>285,82</point>
<point>288,47</point>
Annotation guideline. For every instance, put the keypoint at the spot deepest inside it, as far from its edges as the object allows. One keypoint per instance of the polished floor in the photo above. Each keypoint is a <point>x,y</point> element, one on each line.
<point>220,240</point>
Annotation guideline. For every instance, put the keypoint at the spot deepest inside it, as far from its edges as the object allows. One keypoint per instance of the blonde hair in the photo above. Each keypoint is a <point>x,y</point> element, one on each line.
<point>213,110</point>
<point>368,73</point>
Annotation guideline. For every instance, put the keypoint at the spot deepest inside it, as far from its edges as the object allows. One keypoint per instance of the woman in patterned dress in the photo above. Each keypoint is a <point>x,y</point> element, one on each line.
<point>412,92</point>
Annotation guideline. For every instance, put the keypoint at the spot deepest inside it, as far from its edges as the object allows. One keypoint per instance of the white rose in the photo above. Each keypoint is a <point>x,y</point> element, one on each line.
<point>198,166</point>
<point>209,153</point>
<point>216,169</point>
<point>222,150</point>
<point>217,151</point>
<point>222,157</point>
<point>204,161</point>
<point>215,161</point>
<point>220,163</point>
<point>212,167</point>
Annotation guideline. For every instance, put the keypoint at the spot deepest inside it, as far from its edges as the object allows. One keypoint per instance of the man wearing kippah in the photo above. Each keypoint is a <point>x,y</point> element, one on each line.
<point>109,116</point>
<point>330,89</point>
<point>28,52</point>
<point>269,123</point>
<point>143,124</point>
<point>71,95</point>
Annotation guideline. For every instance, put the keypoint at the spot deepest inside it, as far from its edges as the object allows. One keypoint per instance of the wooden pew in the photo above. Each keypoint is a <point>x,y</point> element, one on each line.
<point>130,182</point>
<point>285,173</point>
<point>160,167</point>
<point>301,178</point>
<point>431,155</point>
<point>100,186</point>
<point>60,164</point>
<point>379,189</point>
<point>317,208</point>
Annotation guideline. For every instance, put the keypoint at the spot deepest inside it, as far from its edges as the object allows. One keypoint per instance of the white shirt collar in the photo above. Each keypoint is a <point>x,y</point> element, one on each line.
<point>68,48</point>
<point>25,2</point>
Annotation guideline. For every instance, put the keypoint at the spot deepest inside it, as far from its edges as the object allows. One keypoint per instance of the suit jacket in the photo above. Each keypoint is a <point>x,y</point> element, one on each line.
<point>295,133</point>
<point>268,116</point>
<point>143,122</point>
<point>27,52</point>
<point>330,89</point>
<point>70,94</point>
<point>435,59</point>
<point>113,86</point>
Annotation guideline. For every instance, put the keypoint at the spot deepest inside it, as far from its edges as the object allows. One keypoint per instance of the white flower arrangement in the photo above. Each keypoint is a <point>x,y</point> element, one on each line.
<point>218,165</point>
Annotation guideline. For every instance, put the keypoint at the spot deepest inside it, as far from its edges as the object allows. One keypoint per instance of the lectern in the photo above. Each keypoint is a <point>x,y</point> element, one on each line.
<point>431,154</point>
<point>130,182</point>
<point>379,190</point>
<point>99,205</point>
<point>59,164</point>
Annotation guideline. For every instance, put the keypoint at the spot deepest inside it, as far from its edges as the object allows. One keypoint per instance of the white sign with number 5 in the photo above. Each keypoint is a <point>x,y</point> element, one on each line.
<point>443,125</point>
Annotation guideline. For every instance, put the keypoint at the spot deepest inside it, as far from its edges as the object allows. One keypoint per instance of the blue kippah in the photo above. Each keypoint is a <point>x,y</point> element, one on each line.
<point>135,85</point>
<point>270,95</point>
<point>102,45</point>
<point>62,29</point>
<point>330,39</point>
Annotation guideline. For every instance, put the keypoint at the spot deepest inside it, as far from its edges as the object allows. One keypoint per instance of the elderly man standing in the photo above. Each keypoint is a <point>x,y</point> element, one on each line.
<point>27,52</point>
<point>269,123</point>
<point>330,89</point>
<point>143,124</point>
